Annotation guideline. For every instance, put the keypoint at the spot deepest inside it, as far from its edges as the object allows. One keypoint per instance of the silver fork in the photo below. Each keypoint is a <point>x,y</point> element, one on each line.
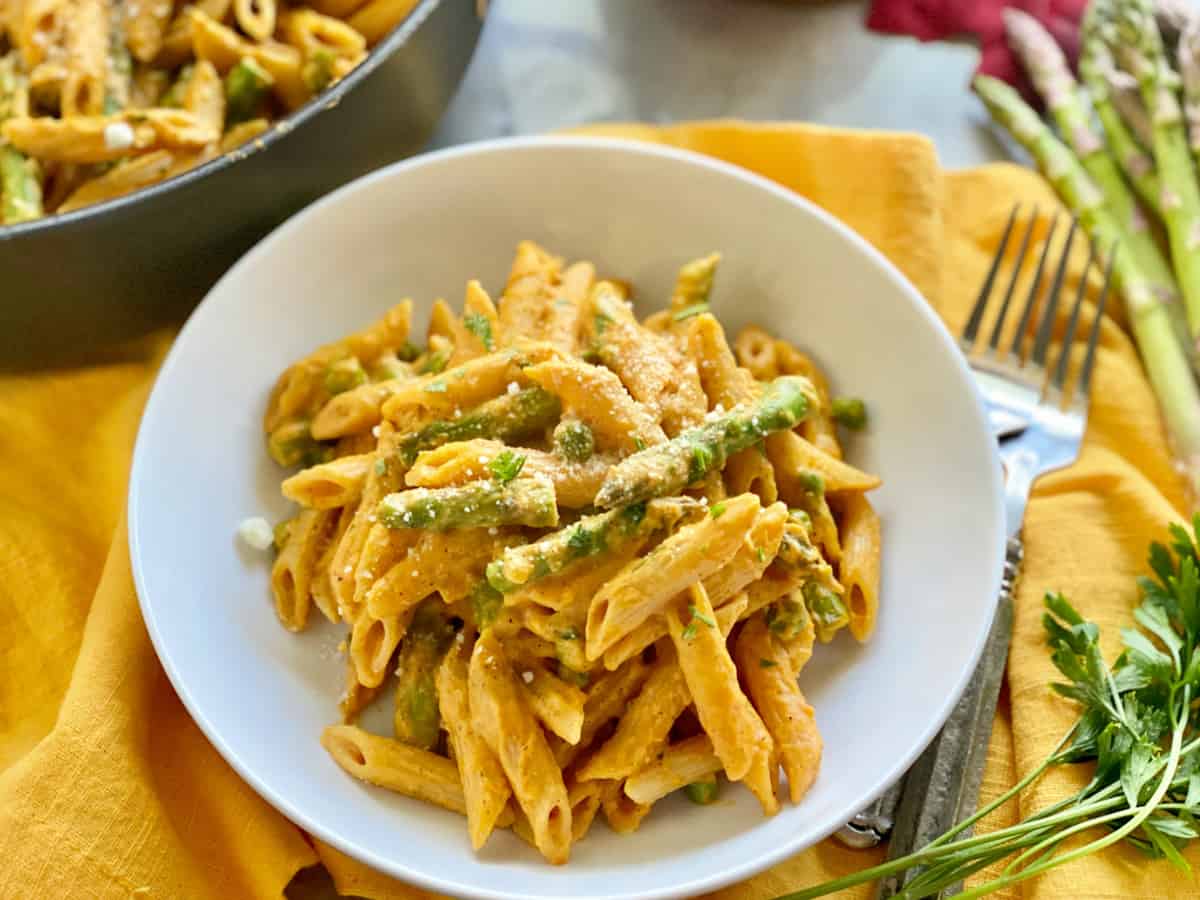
<point>1039,428</point>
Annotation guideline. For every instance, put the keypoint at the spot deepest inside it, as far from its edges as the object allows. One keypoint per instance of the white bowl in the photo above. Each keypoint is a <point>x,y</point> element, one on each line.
<point>423,228</point>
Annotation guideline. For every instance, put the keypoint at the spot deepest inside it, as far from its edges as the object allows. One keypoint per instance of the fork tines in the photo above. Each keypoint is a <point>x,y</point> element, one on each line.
<point>1039,313</point>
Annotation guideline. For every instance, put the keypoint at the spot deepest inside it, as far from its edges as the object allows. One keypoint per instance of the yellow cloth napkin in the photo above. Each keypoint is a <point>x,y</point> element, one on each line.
<point>107,788</point>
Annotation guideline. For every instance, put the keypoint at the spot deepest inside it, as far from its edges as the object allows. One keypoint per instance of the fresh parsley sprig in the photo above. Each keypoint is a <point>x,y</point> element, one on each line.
<point>1137,727</point>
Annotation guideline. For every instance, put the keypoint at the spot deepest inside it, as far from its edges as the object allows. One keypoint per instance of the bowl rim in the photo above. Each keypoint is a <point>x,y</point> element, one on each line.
<point>446,882</point>
<point>278,129</point>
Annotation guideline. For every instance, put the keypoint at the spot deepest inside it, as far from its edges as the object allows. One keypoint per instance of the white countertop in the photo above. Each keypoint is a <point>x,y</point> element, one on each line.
<point>546,64</point>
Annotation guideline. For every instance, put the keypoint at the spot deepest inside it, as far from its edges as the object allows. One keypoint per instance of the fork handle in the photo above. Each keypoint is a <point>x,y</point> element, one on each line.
<point>942,787</point>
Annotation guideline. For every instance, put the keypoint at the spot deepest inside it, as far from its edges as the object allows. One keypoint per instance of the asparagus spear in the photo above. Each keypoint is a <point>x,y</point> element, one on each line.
<point>668,468</point>
<point>590,536</point>
<point>506,418</point>
<point>1142,50</point>
<point>574,441</point>
<point>1166,363</point>
<point>1098,69</point>
<point>1127,97</point>
<point>1188,55</point>
<point>479,504</point>
<point>20,177</point>
<point>416,718</point>
<point>245,87</point>
<point>1047,67</point>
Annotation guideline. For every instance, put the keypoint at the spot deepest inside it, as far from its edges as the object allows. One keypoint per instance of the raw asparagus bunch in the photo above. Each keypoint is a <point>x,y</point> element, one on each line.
<point>1118,104</point>
<point>1164,356</point>
<point>1051,76</point>
<point>1140,48</point>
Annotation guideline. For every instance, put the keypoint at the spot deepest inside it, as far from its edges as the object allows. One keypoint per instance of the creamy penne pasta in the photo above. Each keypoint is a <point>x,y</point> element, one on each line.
<point>130,94</point>
<point>586,554</point>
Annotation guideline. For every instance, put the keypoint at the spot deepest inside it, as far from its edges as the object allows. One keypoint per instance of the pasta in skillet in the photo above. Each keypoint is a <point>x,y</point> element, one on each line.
<point>99,98</point>
<point>595,551</point>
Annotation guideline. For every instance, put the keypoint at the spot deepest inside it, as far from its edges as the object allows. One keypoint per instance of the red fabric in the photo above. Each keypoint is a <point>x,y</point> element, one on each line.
<point>932,20</point>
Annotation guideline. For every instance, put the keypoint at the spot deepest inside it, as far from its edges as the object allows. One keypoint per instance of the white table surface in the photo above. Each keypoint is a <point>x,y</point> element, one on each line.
<point>547,64</point>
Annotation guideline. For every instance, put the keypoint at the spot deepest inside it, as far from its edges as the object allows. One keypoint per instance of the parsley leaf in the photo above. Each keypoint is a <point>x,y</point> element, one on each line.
<point>716,509</point>
<point>507,466</point>
<point>480,326</point>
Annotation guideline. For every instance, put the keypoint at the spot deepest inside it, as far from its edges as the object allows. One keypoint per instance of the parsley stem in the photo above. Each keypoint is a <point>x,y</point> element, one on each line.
<point>1006,796</point>
<point>1142,813</point>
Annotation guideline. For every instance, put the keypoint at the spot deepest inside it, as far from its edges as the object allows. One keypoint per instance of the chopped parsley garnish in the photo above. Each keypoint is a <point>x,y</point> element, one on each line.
<point>639,443</point>
<point>381,467</point>
<point>407,352</point>
<point>767,664</point>
<point>436,387</point>
<point>850,412</point>
<point>601,323</point>
<point>507,466</point>
<point>570,633</point>
<point>761,554</point>
<point>633,515</point>
<point>698,618</point>
<point>480,326</point>
<point>702,461</point>
<point>688,311</point>
<point>581,541</point>
<point>716,509</point>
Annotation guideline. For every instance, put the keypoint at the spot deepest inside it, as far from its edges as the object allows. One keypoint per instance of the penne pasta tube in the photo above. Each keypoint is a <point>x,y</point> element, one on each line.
<point>758,547</point>
<point>128,176</point>
<point>818,429</point>
<point>294,570</point>
<point>485,787</point>
<point>375,19</point>
<point>562,322</point>
<point>755,351</point>
<point>82,92</point>
<point>858,569</point>
<point>575,484</point>
<point>502,717</point>
<point>256,18</point>
<point>596,396</point>
<point>790,454</point>
<point>330,485</point>
<point>322,585</point>
<point>679,765</point>
<point>737,732</point>
<point>176,45</point>
<point>656,374</point>
<point>770,678</point>
<point>146,23</point>
<point>623,815</point>
<point>556,704</point>
<point>356,696</point>
<point>95,139</point>
<point>725,384</point>
<point>643,588</point>
<point>204,96</point>
<point>606,700</point>
<point>388,763</point>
